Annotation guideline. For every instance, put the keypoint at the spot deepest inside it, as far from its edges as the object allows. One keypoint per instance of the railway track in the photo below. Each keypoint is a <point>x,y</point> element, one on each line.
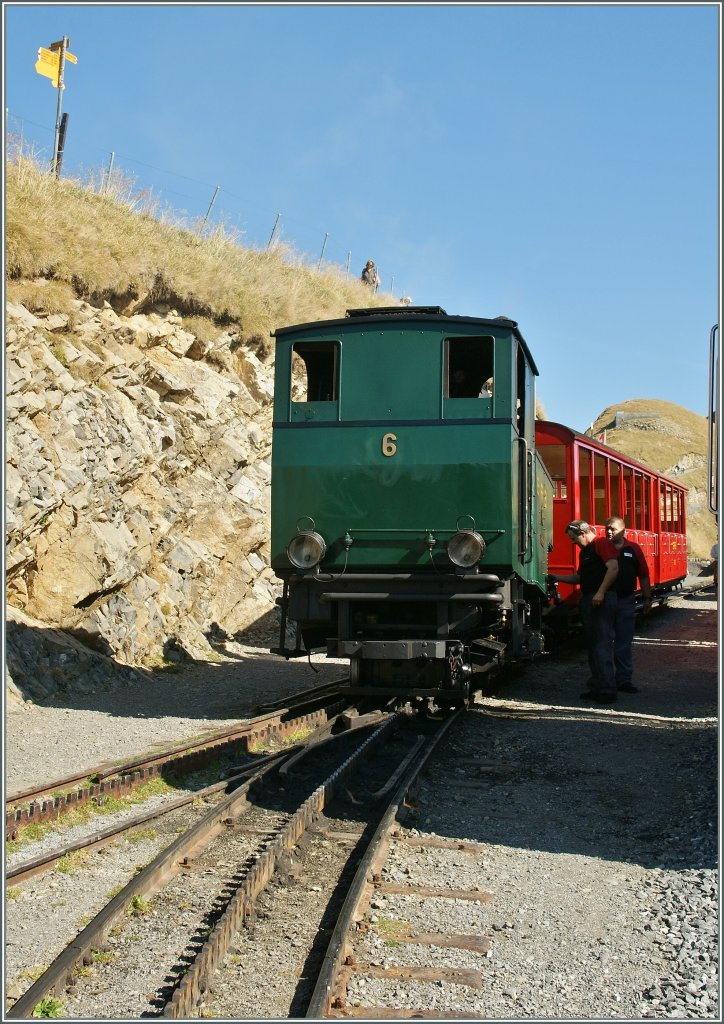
<point>228,857</point>
<point>20,872</point>
<point>275,732</point>
<point>308,709</point>
<point>346,958</point>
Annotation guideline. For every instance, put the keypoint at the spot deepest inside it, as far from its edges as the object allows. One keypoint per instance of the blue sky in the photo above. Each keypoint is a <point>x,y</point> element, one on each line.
<point>555,164</point>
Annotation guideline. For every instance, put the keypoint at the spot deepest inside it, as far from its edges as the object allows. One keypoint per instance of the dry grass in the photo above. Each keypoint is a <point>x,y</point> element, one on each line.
<point>661,435</point>
<point>113,245</point>
<point>41,295</point>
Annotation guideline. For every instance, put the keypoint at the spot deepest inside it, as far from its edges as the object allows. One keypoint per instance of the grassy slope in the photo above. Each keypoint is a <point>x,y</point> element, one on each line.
<point>674,441</point>
<point>99,248</point>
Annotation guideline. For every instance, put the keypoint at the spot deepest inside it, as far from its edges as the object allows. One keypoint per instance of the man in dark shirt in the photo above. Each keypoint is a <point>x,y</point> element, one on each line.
<point>597,572</point>
<point>631,567</point>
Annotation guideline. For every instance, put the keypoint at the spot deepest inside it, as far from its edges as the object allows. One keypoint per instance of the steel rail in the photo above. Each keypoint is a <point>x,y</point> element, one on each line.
<point>28,868</point>
<point>166,864</point>
<point>304,696</point>
<point>35,866</point>
<point>324,735</point>
<point>320,1002</point>
<point>106,770</point>
<point>277,722</point>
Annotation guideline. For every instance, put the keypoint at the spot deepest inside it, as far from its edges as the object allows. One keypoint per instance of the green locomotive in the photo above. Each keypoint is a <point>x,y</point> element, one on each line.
<point>411,513</point>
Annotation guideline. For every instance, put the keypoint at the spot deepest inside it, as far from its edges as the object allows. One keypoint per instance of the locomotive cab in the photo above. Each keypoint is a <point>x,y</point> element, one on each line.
<point>411,515</point>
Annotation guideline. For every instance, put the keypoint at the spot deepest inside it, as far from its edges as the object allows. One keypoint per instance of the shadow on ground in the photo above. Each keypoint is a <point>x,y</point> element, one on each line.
<point>54,668</point>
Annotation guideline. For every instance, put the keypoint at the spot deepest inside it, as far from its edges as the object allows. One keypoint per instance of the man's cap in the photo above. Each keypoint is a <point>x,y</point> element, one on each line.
<point>578,526</point>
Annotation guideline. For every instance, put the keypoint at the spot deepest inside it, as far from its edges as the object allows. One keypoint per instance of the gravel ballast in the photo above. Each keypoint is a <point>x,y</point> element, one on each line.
<point>597,830</point>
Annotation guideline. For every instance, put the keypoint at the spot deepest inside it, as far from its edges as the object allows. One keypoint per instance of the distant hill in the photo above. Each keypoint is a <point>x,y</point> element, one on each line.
<point>672,440</point>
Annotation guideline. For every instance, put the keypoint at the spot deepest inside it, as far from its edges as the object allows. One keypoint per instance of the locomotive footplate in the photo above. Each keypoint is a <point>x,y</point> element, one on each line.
<point>396,691</point>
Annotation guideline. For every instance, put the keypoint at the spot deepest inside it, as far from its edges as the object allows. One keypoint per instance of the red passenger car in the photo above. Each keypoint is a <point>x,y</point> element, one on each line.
<point>593,482</point>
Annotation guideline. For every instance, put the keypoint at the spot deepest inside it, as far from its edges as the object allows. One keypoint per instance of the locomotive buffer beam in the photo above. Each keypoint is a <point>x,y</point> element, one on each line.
<point>386,650</point>
<point>402,596</point>
<point>483,653</point>
<point>454,579</point>
<point>391,691</point>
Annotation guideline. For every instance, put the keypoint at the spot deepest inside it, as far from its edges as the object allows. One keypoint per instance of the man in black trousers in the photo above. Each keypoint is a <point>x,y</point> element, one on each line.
<point>597,572</point>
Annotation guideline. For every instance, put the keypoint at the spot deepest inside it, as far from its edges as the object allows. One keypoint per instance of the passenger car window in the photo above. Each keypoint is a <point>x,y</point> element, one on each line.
<point>600,512</point>
<point>554,460</point>
<point>584,476</point>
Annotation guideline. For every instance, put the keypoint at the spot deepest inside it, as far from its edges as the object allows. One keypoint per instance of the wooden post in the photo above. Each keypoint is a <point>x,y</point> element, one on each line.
<point>107,182</point>
<point>271,236</point>
<point>213,200</point>
<point>324,246</point>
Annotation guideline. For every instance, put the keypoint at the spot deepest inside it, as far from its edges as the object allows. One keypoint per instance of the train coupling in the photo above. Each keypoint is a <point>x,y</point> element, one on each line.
<point>485,653</point>
<point>552,591</point>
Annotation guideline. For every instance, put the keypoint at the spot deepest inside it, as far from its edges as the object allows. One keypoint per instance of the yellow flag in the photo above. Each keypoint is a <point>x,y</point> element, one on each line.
<point>48,64</point>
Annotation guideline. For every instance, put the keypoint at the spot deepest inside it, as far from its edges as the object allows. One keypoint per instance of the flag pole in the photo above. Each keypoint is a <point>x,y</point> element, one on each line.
<point>54,168</point>
<point>51,64</point>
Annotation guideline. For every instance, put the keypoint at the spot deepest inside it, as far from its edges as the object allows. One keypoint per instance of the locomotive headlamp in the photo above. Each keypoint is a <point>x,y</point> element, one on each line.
<point>306,550</point>
<point>466,548</point>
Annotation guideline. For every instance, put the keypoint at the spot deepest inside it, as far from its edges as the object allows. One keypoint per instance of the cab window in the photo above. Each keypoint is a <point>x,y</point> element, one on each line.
<point>469,367</point>
<point>315,371</point>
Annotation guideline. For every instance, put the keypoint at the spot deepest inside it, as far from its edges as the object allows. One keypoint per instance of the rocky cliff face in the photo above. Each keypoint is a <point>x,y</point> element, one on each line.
<point>137,487</point>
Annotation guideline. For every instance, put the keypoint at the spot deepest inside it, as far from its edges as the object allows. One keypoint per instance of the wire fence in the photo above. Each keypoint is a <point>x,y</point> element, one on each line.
<point>201,207</point>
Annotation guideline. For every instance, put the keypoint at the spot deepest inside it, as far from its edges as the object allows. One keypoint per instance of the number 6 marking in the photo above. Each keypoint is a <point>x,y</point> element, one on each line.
<point>388,445</point>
